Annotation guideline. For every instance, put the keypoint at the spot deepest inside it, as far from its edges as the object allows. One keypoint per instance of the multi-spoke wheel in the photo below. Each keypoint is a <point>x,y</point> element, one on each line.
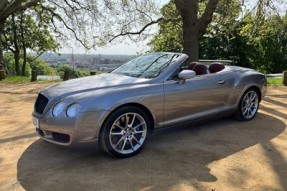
<point>248,105</point>
<point>125,132</point>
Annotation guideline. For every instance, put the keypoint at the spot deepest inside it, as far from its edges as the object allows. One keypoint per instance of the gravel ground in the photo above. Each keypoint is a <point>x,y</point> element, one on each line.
<point>215,156</point>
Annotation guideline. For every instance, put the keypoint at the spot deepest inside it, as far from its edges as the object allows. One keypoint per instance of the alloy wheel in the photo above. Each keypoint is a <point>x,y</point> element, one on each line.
<point>128,133</point>
<point>249,104</point>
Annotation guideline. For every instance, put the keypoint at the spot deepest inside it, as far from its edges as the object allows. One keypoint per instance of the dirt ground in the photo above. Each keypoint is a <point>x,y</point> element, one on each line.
<point>220,155</point>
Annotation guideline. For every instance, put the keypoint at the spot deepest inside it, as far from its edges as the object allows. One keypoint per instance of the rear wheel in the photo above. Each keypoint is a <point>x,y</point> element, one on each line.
<point>125,132</point>
<point>248,105</point>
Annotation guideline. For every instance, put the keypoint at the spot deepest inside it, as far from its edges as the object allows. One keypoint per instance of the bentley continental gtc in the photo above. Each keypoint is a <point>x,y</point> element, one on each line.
<point>120,110</point>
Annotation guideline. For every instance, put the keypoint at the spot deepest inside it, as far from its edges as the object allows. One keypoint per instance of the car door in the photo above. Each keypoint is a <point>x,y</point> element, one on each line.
<point>197,97</point>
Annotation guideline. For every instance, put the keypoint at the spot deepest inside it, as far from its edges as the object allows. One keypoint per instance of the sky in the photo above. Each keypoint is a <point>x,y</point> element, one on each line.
<point>127,48</point>
<point>121,48</point>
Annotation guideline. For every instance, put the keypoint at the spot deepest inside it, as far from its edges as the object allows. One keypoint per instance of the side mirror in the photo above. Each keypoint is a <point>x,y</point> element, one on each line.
<point>186,74</point>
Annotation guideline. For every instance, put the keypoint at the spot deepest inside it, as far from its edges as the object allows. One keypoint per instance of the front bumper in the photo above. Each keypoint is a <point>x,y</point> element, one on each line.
<point>84,128</point>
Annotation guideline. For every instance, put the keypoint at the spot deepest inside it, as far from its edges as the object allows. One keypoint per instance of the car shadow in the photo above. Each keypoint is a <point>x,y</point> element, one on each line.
<point>168,158</point>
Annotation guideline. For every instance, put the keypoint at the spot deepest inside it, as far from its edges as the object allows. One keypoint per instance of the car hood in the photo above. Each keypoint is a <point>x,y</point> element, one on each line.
<point>90,83</point>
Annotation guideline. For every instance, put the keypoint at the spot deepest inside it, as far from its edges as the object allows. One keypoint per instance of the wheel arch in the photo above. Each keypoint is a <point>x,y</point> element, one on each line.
<point>137,105</point>
<point>253,86</point>
<point>238,113</point>
<point>257,89</point>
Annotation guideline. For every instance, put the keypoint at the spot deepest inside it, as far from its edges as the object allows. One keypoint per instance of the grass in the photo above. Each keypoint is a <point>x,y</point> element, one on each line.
<point>275,81</point>
<point>16,79</point>
<point>24,79</point>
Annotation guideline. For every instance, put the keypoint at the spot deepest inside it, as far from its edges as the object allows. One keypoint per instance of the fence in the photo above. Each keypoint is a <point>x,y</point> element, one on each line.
<point>49,78</point>
<point>282,75</point>
<point>274,75</point>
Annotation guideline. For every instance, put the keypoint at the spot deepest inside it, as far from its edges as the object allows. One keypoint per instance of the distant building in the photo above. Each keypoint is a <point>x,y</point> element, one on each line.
<point>89,61</point>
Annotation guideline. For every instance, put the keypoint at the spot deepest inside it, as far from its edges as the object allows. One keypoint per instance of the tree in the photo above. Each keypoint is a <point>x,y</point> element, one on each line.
<point>195,20</point>
<point>193,24</point>
<point>107,17</point>
<point>96,23</point>
<point>274,44</point>
<point>169,37</point>
<point>91,22</point>
<point>256,40</point>
<point>33,63</point>
<point>8,8</point>
<point>12,38</point>
<point>22,32</point>
<point>269,43</point>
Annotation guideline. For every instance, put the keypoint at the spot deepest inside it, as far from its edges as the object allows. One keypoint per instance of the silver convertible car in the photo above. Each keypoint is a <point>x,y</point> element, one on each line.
<point>121,109</point>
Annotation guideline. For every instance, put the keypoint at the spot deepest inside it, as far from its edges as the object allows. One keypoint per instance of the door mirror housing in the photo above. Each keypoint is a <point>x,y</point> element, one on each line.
<point>185,74</point>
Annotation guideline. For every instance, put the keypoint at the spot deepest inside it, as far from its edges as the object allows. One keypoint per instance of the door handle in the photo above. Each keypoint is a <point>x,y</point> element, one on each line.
<point>221,82</point>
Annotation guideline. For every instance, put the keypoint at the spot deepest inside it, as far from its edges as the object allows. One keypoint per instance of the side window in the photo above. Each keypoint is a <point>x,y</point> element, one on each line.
<point>184,64</point>
<point>174,75</point>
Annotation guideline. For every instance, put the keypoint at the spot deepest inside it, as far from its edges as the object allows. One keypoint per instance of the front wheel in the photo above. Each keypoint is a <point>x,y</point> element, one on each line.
<point>248,105</point>
<point>125,132</point>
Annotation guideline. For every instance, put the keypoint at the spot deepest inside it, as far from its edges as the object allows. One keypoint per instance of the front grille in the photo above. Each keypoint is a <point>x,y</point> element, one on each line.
<point>40,103</point>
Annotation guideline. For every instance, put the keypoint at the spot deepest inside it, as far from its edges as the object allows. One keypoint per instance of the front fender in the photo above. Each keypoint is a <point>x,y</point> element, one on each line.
<point>251,79</point>
<point>150,96</point>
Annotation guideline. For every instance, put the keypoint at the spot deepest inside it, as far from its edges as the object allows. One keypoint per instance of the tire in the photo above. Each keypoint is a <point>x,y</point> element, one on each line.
<point>125,132</point>
<point>248,105</point>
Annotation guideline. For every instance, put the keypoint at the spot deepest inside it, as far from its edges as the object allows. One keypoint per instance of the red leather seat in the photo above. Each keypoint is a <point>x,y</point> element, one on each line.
<point>191,65</point>
<point>216,67</point>
<point>200,69</point>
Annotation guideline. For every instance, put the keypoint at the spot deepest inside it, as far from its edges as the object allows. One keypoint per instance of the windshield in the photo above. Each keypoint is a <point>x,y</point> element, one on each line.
<point>147,66</point>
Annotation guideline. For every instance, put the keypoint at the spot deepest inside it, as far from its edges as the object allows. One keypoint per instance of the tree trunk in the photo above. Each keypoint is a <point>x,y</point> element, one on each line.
<point>1,44</point>
<point>23,46</point>
<point>190,40</point>
<point>34,76</point>
<point>193,27</point>
<point>17,51</point>
<point>188,10</point>
<point>285,78</point>
<point>17,64</point>
<point>66,76</point>
<point>2,63</point>
<point>24,61</point>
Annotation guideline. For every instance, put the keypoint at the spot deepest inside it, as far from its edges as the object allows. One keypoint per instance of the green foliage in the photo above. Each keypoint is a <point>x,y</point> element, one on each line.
<point>24,79</point>
<point>40,66</point>
<point>275,81</point>
<point>221,40</point>
<point>16,79</point>
<point>254,41</point>
<point>73,73</point>
<point>31,34</point>
<point>22,32</point>
<point>9,59</point>
<point>37,36</point>
<point>169,37</point>
<point>33,63</point>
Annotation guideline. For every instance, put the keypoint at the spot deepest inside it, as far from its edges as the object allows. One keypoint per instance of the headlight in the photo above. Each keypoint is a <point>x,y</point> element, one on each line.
<point>59,108</point>
<point>73,110</point>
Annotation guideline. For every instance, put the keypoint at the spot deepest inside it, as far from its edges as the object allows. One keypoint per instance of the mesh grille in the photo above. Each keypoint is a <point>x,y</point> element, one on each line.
<point>41,103</point>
